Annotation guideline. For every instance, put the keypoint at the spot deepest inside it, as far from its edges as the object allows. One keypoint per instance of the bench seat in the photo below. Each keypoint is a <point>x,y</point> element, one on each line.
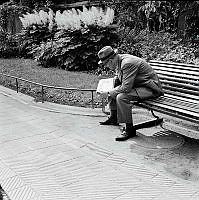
<point>180,84</point>
<point>170,105</point>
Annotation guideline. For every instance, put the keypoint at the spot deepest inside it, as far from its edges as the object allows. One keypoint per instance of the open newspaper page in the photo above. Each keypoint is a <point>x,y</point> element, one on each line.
<point>105,85</point>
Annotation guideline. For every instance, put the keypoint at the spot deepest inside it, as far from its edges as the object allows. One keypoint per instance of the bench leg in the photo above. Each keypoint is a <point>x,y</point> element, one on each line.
<point>150,123</point>
<point>147,124</point>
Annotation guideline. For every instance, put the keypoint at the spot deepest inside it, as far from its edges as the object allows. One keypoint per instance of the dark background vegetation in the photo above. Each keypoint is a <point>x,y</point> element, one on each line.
<point>149,29</point>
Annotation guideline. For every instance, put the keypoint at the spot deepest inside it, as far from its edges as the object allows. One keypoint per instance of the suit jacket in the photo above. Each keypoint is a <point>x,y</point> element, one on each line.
<point>134,72</point>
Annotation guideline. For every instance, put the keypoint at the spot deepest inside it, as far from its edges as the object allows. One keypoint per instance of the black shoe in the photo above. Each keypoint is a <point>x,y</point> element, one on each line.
<point>126,135</point>
<point>110,121</point>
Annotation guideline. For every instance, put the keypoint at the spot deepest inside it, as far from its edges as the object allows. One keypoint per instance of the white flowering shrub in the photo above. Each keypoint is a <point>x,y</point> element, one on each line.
<point>41,18</point>
<point>69,19</point>
<point>71,39</point>
<point>75,19</point>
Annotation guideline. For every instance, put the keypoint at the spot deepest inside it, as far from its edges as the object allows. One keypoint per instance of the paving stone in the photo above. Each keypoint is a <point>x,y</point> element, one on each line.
<point>23,193</point>
<point>95,188</point>
<point>12,183</point>
<point>195,196</point>
<point>183,191</point>
<point>169,196</point>
<point>6,172</point>
<point>162,182</point>
<point>139,170</point>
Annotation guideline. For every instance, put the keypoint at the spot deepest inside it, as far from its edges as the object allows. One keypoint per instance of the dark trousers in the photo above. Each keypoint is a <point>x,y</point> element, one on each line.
<point>122,102</point>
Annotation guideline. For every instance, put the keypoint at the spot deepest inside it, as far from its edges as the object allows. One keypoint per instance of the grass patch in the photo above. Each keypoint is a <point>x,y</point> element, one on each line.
<point>30,70</point>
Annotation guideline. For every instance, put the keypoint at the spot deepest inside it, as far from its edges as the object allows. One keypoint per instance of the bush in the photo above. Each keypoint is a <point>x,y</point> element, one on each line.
<point>74,50</point>
<point>9,46</point>
<point>32,37</point>
<point>69,40</point>
<point>160,46</point>
<point>9,41</point>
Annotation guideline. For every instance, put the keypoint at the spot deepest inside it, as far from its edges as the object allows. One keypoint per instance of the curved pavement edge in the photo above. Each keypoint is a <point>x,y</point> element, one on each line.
<point>51,107</point>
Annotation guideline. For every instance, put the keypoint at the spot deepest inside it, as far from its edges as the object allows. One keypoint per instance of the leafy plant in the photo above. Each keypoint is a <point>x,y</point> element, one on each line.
<point>36,4</point>
<point>7,10</point>
<point>74,50</point>
<point>69,40</point>
<point>161,46</point>
<point>9,45</point>
<point>161,15</point>
<point>129,21</point>
<point>9,42</point>
<point>192,23</point>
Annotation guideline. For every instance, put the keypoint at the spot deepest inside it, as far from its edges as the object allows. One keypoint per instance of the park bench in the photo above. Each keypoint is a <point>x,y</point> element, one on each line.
<point>181,93</point>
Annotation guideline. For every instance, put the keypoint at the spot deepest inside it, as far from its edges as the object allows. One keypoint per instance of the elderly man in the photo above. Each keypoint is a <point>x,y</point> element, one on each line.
<point>135,80</point>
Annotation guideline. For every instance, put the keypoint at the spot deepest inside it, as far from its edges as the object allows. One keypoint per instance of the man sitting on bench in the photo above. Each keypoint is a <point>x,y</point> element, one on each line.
<point>135,80</point>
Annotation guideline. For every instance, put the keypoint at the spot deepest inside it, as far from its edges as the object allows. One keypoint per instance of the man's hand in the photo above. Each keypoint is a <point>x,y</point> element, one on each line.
<point>103,94</point>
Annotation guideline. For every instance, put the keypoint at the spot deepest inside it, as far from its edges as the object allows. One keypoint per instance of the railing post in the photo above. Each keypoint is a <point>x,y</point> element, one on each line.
<point>17,85</point>
<point>103,105</point>
<point>42,94</point>
<point>92,99</point>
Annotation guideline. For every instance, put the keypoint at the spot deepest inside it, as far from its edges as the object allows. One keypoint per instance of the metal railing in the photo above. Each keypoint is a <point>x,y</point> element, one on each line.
<point>49,86</point>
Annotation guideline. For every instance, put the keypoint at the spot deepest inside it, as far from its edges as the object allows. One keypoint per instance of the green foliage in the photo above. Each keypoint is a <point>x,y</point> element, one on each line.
<point>192,31</point>
<point>160,46</point>
<point>170,16</point>
<point>75,49</point>
<point>32,37</point>
<point>35,4</point>
<point>9,45</point>
<point>69,40</point>
<point>9,9</point>
<point>128,19</point>
<point>158,15</point>
<point>192,23</point>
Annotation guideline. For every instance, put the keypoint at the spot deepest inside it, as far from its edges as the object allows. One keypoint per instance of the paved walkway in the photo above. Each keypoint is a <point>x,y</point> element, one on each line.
<point>60,152</point>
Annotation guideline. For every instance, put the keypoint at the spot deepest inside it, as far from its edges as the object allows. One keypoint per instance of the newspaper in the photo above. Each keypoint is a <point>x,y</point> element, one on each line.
<point>105,85</point>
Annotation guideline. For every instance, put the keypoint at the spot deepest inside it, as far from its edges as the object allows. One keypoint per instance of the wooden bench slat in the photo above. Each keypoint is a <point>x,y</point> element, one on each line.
<point>169,107</point>
<point>173,99</point>
<point>185,91</point>
<point>170,112</point>
<point>187,86</point>
<point>194,97</point>
<point>178,103</point>
<point>160,65</point>
<point>185,99</point>
<point>174,109</point>
<point>177,75</point>
<point>174,63</point>
<point>180,80</point>
<point>181,71</point>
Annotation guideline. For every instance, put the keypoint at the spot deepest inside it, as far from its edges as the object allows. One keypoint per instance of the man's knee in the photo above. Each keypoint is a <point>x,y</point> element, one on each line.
<point>121,97</point>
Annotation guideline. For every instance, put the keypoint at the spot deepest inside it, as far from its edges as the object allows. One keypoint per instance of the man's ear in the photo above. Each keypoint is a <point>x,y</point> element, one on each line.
<point>116,60</point>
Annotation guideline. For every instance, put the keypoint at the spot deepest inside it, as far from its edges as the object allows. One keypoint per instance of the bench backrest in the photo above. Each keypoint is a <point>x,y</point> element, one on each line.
<point>178,80</point>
